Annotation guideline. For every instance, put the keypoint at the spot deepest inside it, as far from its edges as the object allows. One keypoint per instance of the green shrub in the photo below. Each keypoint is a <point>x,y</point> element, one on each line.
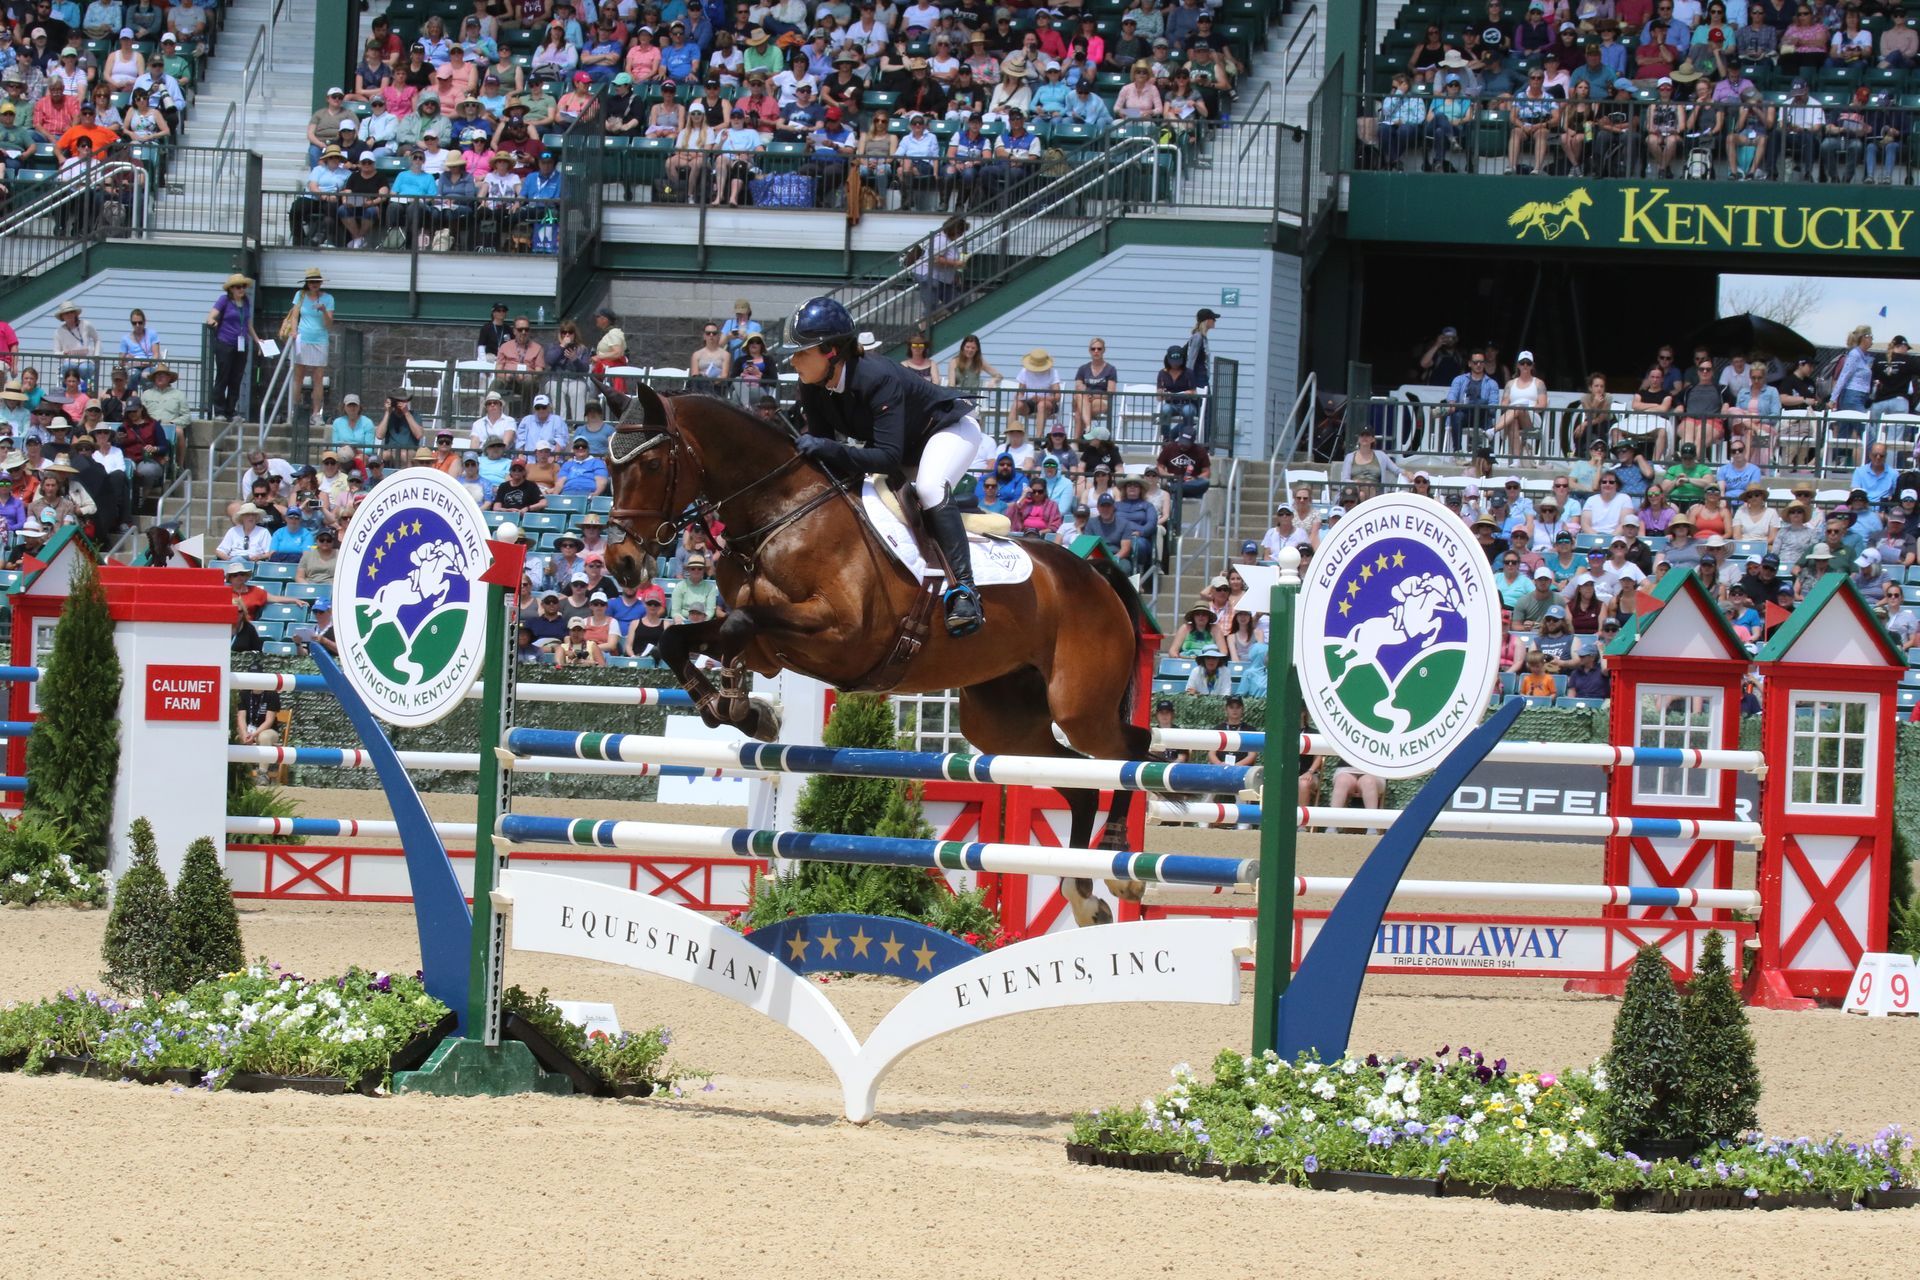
<point>1646,1065</point>
<point>1722,1090</point>
<point>203,933</point>
<point>135,947</point>
<point>36,865</point>
<point>74,753</point>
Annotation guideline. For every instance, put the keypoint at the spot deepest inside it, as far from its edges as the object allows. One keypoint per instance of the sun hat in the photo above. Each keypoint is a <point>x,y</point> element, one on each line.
<point>1036,361</point>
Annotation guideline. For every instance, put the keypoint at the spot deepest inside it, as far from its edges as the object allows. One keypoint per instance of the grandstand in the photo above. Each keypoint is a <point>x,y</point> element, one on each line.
<point>1264,167</point>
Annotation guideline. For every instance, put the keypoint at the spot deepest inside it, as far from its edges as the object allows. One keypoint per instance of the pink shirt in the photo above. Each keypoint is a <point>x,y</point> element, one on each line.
<point>643,61</point>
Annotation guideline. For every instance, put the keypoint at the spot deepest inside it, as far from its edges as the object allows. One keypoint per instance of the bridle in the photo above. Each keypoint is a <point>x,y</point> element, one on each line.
<point>679,515</point>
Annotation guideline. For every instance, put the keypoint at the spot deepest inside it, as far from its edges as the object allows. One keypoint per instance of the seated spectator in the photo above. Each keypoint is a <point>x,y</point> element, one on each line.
<point>1210,676</point>
<point>1588,679</point>
<point>576,650</point>
<point>245,540</point>
<point>583,473</point>
<point>353,431</point>
<point>1034,515</point>
<point>1038,394</point>
<point>694,590</point>
<point>516,492</point>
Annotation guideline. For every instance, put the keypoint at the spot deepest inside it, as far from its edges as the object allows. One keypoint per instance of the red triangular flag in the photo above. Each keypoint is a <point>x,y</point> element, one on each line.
<point>1776,615</point>
<point>509,559</point>
<point>1645,603</point>
<point>29,564</point>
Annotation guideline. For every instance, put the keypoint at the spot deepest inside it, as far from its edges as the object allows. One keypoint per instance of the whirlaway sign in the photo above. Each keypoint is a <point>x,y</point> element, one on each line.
<point>1175,961</point>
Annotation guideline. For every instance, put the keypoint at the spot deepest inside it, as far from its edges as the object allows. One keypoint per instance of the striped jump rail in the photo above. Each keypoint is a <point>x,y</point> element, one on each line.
<point>1542,824</point>
<point>1603,755</point>
<point>1591,895</point>
<point>523,691</point>
<point>337,828</point>
<point>859,762</point>
<point>466,762</point>
<point>1211,813</point>
<point>943,855</point>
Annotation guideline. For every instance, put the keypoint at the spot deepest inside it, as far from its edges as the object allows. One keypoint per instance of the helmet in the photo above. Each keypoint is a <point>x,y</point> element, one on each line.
<point>1177,354</point>
<point>819,322</point>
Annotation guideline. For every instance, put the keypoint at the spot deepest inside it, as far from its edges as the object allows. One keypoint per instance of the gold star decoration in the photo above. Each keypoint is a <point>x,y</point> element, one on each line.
<point>892,947</point>
<point>370,570</point>
<point>390,537</point>
<point>1366,573</point>
<point>923,958</point>
<point>829,946</point>
<point>380,553</point>
<point>417,526</point>
<point>1353,588</point>
<point>1345,608</point>
<point>797,944</point>
<point>860,941</point>
<point>1382,561</point>
<point>1399,559</point>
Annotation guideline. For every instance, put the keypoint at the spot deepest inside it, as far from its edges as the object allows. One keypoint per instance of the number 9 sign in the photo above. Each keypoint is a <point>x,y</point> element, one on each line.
<point>1884,984</point>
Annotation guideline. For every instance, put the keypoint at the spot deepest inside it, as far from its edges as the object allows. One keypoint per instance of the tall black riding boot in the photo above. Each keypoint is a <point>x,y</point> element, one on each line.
<point>962,598</point>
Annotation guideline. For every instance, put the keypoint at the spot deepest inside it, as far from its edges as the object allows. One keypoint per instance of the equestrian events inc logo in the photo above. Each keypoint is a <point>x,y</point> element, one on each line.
<point>409,610</point>
<point>1398,634</point>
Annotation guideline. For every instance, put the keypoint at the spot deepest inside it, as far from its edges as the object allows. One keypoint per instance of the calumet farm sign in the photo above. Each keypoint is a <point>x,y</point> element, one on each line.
<point>1528,212</point>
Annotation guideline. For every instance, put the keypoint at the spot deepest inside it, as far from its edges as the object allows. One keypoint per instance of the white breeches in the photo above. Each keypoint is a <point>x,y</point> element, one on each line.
<point>945,460</point>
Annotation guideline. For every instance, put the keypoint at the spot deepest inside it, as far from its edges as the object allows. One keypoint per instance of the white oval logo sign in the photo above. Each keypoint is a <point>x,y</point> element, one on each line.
<point>409,609</point>
<point>1397,634</point>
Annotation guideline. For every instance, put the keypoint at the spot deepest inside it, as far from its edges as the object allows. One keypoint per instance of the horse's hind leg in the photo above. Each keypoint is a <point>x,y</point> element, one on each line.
<point>1009,716</point>
<point>1087,699</point>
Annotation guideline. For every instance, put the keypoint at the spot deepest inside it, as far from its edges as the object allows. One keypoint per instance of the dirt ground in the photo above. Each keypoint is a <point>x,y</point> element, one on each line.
<point>962,1171</point>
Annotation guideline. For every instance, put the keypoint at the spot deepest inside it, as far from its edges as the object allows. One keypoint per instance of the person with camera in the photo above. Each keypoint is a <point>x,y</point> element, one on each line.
<point>399,431</point>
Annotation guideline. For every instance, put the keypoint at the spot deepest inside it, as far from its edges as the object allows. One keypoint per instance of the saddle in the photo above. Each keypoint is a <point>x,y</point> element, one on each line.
<point>986,523</point>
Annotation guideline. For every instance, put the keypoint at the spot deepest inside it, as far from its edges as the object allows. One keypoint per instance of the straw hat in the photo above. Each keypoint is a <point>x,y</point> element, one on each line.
<point>161,370</point>
<point>313,275</point>
<point>14,391</point>
<point>59,423</point>
<point>61,465</point>
<point>1015,67</point>
<point>13,461</point>
<point>238,281</point>
<point>1036,361</point>
<point>758,38</point>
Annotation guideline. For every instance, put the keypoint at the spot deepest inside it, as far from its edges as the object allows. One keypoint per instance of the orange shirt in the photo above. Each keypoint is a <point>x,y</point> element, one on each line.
<point>102,138</point>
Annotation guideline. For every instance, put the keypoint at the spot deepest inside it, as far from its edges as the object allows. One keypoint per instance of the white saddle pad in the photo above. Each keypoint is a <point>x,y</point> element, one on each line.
<point>997,562</point>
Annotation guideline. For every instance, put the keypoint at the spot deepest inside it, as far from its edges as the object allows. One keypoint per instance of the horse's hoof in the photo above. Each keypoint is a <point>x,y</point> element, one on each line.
<point>763,721</point>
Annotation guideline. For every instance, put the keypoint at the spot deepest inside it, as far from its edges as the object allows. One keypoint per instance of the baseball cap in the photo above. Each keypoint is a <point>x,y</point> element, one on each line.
<point>1543,572</point>
<point>1525,357</point>
<point>1248,548</point>
<point>1910,495</point>
<point>542,402</point>
<point>1555,611</point>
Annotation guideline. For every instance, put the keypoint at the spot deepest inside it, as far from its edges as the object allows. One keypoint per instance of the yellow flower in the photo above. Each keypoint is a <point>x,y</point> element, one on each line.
<point>1519,1122</point>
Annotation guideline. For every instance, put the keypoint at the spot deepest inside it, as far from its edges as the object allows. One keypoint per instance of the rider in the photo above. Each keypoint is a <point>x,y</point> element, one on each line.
<point>905,421</point>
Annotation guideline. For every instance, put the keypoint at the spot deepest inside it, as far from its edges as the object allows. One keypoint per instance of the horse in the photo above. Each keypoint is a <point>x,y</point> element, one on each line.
<point>1535,215</point>
<point>809,588</point>
<point>434,564</point>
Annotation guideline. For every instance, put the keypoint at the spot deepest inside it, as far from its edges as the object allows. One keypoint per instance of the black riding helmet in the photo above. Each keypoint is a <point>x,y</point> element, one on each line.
<point>820,322</point>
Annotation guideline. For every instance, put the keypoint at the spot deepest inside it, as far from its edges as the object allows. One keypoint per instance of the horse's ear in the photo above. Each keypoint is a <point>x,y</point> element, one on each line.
<point>653,409</point>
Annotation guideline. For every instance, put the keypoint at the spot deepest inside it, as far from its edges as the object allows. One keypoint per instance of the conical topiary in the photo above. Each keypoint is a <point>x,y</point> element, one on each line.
<point>203,936</point>
<point>1722,1090</point>
<point>135,948</point>
<point>74,753</point>
<point>1646,1064</point>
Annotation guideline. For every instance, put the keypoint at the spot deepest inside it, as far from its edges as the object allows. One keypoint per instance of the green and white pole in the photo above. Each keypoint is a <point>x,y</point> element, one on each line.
<point>1280,777</point>
<point>495,797</point>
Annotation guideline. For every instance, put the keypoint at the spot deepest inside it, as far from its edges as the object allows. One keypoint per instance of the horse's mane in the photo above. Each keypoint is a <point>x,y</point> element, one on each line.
<point>776,433</point>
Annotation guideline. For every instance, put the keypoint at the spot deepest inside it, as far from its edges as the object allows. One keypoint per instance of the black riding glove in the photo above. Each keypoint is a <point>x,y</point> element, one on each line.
<point>829,453</point>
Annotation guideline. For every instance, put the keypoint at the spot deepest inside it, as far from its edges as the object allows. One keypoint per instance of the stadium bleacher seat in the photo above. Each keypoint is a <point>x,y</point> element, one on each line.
<point>279,649</point>
<point>284,613</point>
<point>274,571</point>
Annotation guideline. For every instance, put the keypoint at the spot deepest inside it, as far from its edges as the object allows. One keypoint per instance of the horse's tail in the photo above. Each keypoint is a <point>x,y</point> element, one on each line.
<point>1136,612</point>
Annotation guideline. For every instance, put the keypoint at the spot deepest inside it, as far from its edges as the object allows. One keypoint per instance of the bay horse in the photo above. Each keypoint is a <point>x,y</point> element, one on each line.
<point>810,588</point>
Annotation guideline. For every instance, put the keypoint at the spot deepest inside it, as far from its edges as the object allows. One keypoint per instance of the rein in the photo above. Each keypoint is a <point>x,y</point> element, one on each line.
<point>671,523</point>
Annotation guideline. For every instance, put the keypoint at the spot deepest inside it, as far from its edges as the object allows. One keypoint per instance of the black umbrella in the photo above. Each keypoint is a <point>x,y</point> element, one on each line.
<point>1747,333</point>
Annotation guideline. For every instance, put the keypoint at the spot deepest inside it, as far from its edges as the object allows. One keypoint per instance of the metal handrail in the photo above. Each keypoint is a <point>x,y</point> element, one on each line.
<point>252,71</point>
<point>276,398</point>
<point>1236,492</point>
<point>1070,187</point>
<point>1289,438</point>
<point>233,429</point>
<point>1309,28</point>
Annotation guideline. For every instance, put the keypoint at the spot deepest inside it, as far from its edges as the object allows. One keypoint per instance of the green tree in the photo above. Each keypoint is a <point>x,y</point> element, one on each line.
<point>74,752</point>
<point>1646,1064</point>
<point>865,806</point>
<point>1722,1082</point>
<point>203,935</point>
<point>135,948</point>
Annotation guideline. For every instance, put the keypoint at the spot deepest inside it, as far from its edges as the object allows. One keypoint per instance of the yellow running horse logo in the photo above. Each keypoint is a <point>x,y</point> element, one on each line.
<point>1551,219</point>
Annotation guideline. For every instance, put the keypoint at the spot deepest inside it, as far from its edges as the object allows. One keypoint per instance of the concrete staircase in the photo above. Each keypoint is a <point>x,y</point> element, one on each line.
<point>279,100</point>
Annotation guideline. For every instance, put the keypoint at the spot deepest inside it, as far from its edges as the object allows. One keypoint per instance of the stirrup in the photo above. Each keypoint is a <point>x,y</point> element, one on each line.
<point>962,623</point>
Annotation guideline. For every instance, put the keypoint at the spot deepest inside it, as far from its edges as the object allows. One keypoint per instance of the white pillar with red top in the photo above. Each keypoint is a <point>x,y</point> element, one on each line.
<point>173,631</point>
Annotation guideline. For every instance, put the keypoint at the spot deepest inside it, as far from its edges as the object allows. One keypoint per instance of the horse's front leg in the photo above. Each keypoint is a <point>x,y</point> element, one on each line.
<point>678,646</point>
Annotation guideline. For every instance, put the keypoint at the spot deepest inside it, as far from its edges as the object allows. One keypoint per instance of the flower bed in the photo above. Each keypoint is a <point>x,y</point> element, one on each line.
<point>260,1025</point>
<point>1459,1124</point>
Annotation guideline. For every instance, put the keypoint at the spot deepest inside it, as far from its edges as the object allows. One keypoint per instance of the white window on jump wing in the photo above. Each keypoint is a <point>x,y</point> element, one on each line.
<point>43,629</point>
<point>1685,717</point>
<point>1830,756</point>
<point>929,721</point>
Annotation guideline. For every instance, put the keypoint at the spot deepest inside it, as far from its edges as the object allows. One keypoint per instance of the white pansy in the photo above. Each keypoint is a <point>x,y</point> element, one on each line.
<point>1309,1115</point>
<point>1394,1084</point>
